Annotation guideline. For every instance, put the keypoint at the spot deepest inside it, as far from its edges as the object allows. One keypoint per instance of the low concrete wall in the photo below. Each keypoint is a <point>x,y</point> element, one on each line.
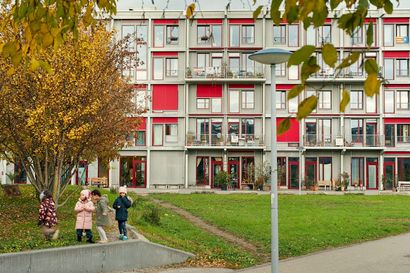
<point>115,256</point>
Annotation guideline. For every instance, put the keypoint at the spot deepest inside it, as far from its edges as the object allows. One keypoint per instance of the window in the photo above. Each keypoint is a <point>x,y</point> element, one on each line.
<point>136,36</point>
<point>325,131</point>
<point>234,35</point>
<point>403,133</point>
<point>403,100</point>
<point>248,128</point>
<point>325,100</point>
<point>357,171</point>
<point>157,138</point>
<point>389,69</point>
<point>357,36</point>
<point>172,35</point>
<point>140,138</point>
<point>357,130</point>
<point>280,100</point>
<point>389,134</point>
<point>293,105</point>
<point>310,93</point>
<point>294,72</point>
<point>248,170</point>
<point>216,105</point>
<point>210,35</point>
<point>279,35</point>
<point>202,103</point>
<point>247,65</point>
<point>234,101</point>
<point>171,67</point>
<point>388,35</point>
<point>293,35</point>
<point>158,68</point>
<point>234,65</point>
<point>324,34</point>
<point>371,104</point>
<point>403,169</point>
<point>356,99</point>
<point>248,34</point>
<point>280,70</point>
<point>402,68</point>
<point>325,168</point>
<point>402,33</point>
<point>140,99</point>
<point>248,99</point>
<point>159,36</point>
<point>241,34</point>
<point>171,132</point>
<point>202,130</point>
<point>388,101</point>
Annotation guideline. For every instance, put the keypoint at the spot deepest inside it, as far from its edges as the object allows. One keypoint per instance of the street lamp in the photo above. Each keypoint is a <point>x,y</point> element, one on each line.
<point>273,56</point>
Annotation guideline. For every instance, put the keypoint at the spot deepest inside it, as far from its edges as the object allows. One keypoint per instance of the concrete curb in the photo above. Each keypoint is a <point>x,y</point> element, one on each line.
<point>114,256</point>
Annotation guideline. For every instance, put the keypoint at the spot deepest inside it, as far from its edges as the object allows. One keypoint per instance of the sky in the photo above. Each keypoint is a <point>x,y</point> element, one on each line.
<point>206,4</point>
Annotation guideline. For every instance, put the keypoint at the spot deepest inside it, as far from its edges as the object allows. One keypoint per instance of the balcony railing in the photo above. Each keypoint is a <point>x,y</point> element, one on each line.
<point>223,73</point>
<point>318,140</point>
<point>224,140</point>
<point>368,140</point>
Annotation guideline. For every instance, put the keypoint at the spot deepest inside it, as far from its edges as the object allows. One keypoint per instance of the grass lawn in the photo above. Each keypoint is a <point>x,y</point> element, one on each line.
<point>306,223</point>
<point>19,231</point>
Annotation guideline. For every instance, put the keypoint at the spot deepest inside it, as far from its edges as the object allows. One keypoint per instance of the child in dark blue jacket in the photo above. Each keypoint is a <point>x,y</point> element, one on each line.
<point>121,205</point>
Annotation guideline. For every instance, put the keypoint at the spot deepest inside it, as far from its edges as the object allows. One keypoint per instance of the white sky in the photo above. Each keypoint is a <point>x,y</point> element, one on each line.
<point>206,4</point>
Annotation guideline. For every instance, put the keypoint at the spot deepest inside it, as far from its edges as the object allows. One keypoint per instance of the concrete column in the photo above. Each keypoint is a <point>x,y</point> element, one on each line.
<point>148,166</point>
<point>301,168</point>
<point>114,173</point>
<point>186,170</point>
<point>381,171</point>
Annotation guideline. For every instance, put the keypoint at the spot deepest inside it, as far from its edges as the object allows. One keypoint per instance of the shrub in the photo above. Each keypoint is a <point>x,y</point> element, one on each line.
<point>114,190</point>
<point>151,215</point>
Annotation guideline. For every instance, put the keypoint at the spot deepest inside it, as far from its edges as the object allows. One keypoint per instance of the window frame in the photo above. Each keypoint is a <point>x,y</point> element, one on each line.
<point>394,101</point>
<point>169,36</point>
<point>399,68</point>
<point>281,94</point>
<point>212,101</point>
<point>238,100</point>
<point>206,103</point>
<point>321,104</point>
<point>283,35</point>
<point>360,100</point>
<point>154,74</point>
<point>170,126</point>
<point>168,62</point>
<point>154,134</point>
<point>245,104</point>
<point>399,99</point>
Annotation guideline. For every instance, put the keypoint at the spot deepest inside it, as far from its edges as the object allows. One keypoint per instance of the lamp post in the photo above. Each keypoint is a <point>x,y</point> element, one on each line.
<point>273,56</point>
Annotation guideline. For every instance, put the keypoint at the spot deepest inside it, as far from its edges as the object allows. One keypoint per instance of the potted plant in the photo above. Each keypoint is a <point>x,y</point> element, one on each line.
<point>262,172</point>
<point>311,184</point>
<point>221,180</point>
<point>344,178</point>
<point>188,72</point>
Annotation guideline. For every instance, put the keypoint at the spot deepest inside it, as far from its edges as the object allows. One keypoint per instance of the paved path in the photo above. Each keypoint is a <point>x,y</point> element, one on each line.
<point>388,255</point>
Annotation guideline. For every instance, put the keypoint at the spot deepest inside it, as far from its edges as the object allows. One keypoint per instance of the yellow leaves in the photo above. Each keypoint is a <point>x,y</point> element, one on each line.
<point>306,107</point>
<point>345,100</point>
<point>284,125</point>
<point>34,64</point>
<point>190,11</point>
<point>372,85</point>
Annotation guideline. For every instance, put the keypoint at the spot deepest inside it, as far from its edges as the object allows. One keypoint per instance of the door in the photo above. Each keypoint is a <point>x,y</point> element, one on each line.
<point>282,171</point>
<point>216,167</point>
<point>202,171</point>
<point>372,175</point>
<point>82,173</point>
<point>310,171</point>
<point>139,173</point>
<point>371,134</point>
<point>293,170</point>
<point>389,174</point>
<point>233,171</point>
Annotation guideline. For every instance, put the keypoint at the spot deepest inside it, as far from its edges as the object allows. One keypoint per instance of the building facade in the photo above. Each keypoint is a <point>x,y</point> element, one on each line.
<point>209,105</point>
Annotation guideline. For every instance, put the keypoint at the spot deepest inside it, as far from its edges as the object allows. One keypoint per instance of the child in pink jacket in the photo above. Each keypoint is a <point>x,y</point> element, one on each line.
<point>84,209</point>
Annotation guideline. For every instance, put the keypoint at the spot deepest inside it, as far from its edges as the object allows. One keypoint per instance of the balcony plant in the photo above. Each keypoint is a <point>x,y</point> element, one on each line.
<point>188,72</point>
<point>221,180</point>
<point>344,178</point>
<point>311,184</point>
<point>262,174</point>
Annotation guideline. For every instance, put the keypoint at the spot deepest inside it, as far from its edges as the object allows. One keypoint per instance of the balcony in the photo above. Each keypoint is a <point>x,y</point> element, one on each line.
<point>367,140</point>
<point>217,72</point>
<point>232,140</point>
<point>314,140</point>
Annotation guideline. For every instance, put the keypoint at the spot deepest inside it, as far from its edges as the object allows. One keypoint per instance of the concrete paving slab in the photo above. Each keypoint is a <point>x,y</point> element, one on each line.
<point>388,255</point>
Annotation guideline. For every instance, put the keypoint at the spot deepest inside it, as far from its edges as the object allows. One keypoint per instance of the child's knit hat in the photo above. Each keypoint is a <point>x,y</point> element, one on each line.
<point>122,189</point>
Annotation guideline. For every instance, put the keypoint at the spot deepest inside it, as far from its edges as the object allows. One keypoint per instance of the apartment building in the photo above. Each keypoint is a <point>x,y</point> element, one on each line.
<point>209,105</point>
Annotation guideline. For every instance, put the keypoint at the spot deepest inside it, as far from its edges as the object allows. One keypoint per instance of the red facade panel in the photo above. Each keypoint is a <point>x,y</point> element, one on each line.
<point>209,21</point>
<point>284,86</point>
<point>292,135</point>
<point>165,54</point>
<point>142,124</point>
<point>396,20</point>
<point>397,121</point>
<point>241,21</point>
<point>396,54</point>
<point>209,91</point>
<point>165,97</point>
<point>397,85</point>
<point>165,21</point>
<point>165,120</point>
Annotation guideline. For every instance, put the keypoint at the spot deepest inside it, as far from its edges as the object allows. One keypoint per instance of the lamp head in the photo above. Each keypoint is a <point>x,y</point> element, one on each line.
<point>271,56</point>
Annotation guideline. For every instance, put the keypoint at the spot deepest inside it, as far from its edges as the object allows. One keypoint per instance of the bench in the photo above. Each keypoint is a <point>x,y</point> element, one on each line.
<point>403,185</point>
<point>168,186</point>
<point>325,183</point>
<point>99,181</point>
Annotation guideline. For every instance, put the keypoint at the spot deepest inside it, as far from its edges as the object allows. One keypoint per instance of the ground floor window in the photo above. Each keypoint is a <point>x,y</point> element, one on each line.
<point>281,171</point>
<point>202,170</point>
<point>325,169</point>
<point>82,173</point>
<point>248,170</point>
<point>403,169</point>
<point>133,171</point>
<point>357,171</point>
<point>20,175</point>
